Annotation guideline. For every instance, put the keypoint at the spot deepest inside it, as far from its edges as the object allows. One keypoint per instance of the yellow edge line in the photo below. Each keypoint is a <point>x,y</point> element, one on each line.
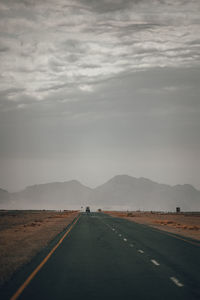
<point>37,269</point>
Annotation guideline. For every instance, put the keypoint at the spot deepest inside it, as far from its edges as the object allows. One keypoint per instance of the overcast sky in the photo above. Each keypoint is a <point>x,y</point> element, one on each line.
<point>94,88</point>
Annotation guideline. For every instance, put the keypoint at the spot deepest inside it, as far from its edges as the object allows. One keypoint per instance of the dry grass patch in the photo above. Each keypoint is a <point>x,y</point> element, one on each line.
<point>186,224</point>
<point>24,234</point>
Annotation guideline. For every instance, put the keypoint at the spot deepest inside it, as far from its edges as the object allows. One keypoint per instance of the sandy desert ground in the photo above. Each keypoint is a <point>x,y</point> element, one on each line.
<point>24,233</point>
<point>185,224</point>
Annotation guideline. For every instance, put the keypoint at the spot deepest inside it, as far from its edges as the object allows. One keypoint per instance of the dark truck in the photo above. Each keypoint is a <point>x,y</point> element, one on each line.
<point>87,210</point>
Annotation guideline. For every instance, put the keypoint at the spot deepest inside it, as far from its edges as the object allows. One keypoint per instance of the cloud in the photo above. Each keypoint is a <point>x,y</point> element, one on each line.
<point>86,88</point>
<point>77,43</point>
<point>4,49</point>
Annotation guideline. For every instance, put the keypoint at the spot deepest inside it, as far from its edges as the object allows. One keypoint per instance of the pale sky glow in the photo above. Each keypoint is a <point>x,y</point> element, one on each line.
<point>91,89</point>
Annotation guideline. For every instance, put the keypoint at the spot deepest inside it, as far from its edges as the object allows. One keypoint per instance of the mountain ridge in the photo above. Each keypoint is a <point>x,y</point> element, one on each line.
<point>120,192</point>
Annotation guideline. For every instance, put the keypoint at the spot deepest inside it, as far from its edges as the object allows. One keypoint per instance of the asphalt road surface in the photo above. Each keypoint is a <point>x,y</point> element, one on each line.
<point>110,258</point>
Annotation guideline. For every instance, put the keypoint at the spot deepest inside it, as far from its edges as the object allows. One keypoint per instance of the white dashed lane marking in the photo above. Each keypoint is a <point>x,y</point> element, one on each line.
<point>155,262</point>
<point>141,251</point>
<point>176,281</point>
<point>173,279</point>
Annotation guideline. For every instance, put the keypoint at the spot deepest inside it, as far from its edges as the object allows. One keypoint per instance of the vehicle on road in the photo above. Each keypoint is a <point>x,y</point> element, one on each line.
<point>87,210</point>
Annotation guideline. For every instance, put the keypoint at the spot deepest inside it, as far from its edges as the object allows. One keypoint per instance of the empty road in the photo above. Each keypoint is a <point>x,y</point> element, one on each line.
<point>102,257</point>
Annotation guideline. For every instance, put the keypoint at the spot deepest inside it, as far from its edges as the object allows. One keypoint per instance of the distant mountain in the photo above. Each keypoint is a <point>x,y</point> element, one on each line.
<point>4,199</point>
<point>126,192</point>
<point>122,192</point>
<point>56,195</point>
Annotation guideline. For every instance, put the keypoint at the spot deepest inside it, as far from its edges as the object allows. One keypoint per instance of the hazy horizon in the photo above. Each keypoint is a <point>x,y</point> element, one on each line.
<point>91,89</point>
<point>119,191</point>
<point>97,185</point>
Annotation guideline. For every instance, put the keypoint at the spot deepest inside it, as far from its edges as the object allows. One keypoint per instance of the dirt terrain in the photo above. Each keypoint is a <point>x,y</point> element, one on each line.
<point>25,233</point>
<point>186,224</point>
